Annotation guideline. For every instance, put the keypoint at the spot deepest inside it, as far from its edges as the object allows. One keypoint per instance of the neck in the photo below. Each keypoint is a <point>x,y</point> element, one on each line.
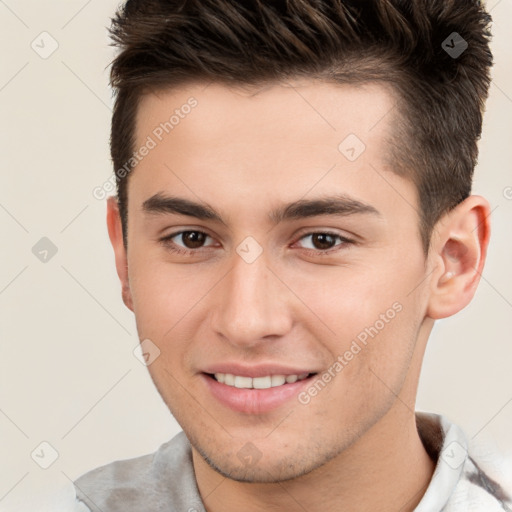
<point>387,468</point>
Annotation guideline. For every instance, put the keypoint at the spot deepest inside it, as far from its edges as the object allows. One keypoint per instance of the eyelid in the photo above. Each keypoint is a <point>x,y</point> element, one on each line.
<point>167,239</point>
<point>345,241</point>
<point>176,248</point>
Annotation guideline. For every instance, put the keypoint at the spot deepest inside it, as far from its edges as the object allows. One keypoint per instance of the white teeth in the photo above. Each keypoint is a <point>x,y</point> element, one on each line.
<point>278,380</point>
<point>243,382</point>
<point>269,381</point>
<point>262,382</point>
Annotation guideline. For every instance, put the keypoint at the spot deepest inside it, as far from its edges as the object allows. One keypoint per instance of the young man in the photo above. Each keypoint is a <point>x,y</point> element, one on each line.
<point>293,214</point>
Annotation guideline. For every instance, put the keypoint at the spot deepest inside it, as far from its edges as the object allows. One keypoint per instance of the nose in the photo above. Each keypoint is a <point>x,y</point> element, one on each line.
<point>251,305</point>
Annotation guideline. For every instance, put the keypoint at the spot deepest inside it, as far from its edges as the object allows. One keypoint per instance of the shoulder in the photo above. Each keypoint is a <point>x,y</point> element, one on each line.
<point>478,490</point>
<point>463,480</point>
<point>151,482</point>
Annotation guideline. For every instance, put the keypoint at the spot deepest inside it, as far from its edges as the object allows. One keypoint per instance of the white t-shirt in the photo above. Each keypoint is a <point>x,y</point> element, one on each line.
<point>165,481</point>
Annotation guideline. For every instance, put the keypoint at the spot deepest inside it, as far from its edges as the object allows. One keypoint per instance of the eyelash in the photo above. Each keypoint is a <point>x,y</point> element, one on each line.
<point>171,246</point>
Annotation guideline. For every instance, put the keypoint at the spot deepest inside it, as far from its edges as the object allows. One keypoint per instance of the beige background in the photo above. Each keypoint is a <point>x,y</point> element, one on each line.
<point>68,375</point>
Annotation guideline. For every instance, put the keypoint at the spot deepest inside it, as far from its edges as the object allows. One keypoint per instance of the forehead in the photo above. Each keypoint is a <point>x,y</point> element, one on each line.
<point>268,143</point>
<point>292,110</point>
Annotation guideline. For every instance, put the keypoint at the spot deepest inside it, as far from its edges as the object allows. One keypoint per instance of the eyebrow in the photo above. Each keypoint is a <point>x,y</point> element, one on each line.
<point>339,205</point>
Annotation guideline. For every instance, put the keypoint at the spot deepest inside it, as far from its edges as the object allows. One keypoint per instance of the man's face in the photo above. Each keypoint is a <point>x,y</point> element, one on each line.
<point>255,297</point>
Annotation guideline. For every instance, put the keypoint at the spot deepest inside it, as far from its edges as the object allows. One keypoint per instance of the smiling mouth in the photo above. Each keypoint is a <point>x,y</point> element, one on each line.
<point>265,382</point>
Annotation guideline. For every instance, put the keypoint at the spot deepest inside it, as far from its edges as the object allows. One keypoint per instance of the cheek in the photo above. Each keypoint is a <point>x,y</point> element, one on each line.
<point>163,294</point>
<point>338,303</point>
<point>369,369</point>
<point>373,321</point>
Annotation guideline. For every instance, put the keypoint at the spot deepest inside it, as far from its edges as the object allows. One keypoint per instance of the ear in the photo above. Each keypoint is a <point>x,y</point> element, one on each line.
<point>459,248</point>
<point>115,232</point>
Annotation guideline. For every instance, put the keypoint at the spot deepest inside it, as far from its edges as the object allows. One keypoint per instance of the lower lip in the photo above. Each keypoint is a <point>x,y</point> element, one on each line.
<point>254,401</point>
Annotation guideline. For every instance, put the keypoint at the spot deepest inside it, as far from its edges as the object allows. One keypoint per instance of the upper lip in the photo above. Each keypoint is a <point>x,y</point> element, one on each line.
<point>253,371</point>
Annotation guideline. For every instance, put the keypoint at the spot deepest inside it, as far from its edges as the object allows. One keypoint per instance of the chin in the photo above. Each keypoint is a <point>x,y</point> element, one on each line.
<point>262,474</point>
<point>250,465</point>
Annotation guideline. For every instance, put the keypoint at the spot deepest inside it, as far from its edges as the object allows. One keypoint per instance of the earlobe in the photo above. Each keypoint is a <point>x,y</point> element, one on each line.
<point>459,253</point>
<point>115,233</point>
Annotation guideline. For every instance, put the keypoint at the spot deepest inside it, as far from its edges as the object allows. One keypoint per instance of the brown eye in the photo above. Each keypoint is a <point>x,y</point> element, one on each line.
<point>185,242</point>
<point>193,239</point>
<point>323,241</point>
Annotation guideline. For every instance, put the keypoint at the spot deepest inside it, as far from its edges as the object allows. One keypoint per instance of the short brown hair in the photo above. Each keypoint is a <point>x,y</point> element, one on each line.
<point>414,45</point>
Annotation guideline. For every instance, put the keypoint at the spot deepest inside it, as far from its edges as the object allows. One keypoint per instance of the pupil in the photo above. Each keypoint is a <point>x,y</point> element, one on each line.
<point>193,239</point>
<point>323,238</point>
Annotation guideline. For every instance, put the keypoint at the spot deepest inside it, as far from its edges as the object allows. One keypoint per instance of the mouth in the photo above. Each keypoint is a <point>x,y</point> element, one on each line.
<point>264,382</point>
<point>255,395</point>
